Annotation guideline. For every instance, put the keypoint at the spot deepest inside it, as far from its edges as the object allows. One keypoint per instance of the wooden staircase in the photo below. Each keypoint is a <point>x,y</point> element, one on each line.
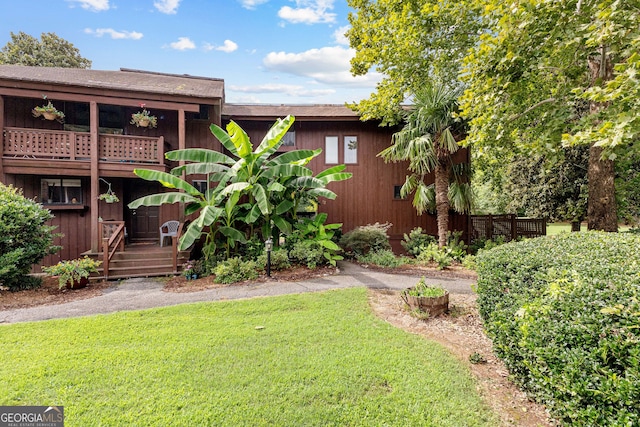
<point>142,261</point>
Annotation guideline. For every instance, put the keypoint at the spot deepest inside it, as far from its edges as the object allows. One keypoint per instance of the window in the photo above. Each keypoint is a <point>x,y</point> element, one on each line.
<point>200,185</point>
<point>331,149</point>
<point>289,139</point>
<point>351,149</point>
<point>397,191</point>
<point>61,191</point>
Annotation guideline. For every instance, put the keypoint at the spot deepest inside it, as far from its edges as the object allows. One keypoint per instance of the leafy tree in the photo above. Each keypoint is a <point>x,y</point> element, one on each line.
<point>538,75</point>
<point>428,141</point>
<point>49,51</point>
<point>25,239</point>
<point>272,185</point>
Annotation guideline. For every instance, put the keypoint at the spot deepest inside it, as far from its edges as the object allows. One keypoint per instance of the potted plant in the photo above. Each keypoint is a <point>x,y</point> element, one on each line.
<point>426,298</point>
<point>48,111</point>
<point>144,118</point>
<point>73,274</point>
<point>109,196</point>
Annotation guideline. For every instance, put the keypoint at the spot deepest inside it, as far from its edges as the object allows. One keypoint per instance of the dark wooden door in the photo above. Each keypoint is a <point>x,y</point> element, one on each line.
<point>143,223</point>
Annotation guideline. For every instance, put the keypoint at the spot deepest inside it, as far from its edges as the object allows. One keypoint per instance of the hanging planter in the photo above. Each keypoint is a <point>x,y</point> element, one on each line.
<point>109,196</point>
<point>48,112</point>
<point>144,119</point>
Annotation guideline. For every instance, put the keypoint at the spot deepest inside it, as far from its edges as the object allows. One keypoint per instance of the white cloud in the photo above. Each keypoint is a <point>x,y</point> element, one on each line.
<point>329,65</point>
<point>99,32</point>
<point>308,12</point>
<point>339,37</point>
<point>251,4</point>
<point>291,90</point>
<point>183,43</point>
<point>92,5</point>
<point>228,46</point>
<point>170,7</point>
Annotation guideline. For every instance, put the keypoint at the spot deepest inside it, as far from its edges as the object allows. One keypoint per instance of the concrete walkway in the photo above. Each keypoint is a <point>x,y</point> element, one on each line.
<point>136,294</point>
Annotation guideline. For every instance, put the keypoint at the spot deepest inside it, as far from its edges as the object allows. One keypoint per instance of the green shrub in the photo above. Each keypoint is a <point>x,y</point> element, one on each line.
<point>455,248</point>
<point>384,258</point>
<point>309,253</point>
<point>24,238</point>
<point>235,270</point>
<point>416,240</point>
<point>279,260</point>
<point>371,237</point>
<point>564,313</point>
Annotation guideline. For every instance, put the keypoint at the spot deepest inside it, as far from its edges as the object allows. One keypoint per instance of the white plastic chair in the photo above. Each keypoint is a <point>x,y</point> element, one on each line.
<point>172,230</point>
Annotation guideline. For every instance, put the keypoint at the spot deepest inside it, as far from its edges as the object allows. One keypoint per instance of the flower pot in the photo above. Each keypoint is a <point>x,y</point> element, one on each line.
<point>432,305</point>
<point>143,122</point>
<point>84,281</point>
<point>49,116</point>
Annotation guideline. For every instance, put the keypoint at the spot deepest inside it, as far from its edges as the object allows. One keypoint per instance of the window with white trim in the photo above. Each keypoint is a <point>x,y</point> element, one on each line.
<point>331,150</point>
<point>350,149</point>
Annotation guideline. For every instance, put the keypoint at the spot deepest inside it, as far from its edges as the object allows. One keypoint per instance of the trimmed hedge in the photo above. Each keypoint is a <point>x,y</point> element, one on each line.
<point>564,314</point>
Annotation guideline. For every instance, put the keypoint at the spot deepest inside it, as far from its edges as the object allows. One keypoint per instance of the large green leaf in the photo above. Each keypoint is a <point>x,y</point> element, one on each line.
<point>261,198</point>
<point>192,233</point>
<point>322,192</point>
<point>287,170</point>
<point>233,234</point>
<point>240,139</point>
<point>273,139</point>
<point>284,206</point>
<point>167,180</point>
<point>329,244</point>
<point>163,198</point>
<point>306,182</point>
<point>201,169</point>
<point>235,187</point>
<point>334,177</point>
<point>283,225</point>
<point>295,156</point>
<point>199,155</point>
<point>224,138</point>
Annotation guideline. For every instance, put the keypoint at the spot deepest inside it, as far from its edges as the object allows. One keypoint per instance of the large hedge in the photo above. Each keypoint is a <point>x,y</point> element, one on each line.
<point>25,239</point>
<point>564,315</point>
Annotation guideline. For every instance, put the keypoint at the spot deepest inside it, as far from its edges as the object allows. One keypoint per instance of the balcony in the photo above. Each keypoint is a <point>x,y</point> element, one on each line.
<point>21,143</point>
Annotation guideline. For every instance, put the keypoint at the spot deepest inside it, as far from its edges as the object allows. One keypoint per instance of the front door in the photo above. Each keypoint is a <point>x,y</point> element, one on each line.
<point>143,223</point>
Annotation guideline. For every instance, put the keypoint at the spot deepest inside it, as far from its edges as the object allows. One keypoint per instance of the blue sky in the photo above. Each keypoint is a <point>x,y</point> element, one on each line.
<point>267,51</point>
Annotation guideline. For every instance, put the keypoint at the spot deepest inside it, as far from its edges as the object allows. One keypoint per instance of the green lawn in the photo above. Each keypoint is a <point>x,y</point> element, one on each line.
<point>318,359</point>
<point>560,227</point>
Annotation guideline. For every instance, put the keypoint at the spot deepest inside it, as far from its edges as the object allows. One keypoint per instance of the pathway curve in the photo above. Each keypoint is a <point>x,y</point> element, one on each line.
<point>142,293</point>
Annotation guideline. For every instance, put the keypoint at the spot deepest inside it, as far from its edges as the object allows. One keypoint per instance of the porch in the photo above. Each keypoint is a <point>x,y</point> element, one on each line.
<point>52,145</point>
<point>122,260</point>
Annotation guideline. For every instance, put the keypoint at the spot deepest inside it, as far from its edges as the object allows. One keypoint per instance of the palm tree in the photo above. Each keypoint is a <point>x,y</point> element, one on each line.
<point>428,141</point>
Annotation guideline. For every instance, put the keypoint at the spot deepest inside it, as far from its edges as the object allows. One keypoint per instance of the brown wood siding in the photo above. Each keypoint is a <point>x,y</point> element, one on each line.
<point>368,197</point>
<point>74,224</point>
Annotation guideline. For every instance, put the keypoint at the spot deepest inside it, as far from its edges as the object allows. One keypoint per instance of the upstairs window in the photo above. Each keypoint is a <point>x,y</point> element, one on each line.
<point>289,139</point>
<point>331,150</point>
<point>61,191</point>
<point>351,149</point>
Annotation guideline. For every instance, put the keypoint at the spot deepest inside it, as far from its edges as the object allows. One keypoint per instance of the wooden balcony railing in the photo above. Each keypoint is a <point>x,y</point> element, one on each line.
<point>66,145</point>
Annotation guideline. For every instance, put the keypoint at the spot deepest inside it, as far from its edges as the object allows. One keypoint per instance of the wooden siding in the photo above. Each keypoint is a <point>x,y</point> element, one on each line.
<point>368,197</point>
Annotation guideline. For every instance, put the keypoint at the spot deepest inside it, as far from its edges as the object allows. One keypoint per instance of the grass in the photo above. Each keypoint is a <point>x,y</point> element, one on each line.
<point>561,227</point>
<point>318,359</point>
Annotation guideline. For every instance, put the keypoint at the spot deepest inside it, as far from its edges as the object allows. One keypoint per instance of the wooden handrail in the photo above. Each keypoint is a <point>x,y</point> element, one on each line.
<point>174,247</point>
<point>111,243</point>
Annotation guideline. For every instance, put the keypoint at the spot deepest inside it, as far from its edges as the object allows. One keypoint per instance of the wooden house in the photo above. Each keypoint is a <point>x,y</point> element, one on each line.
<point>66,165</point>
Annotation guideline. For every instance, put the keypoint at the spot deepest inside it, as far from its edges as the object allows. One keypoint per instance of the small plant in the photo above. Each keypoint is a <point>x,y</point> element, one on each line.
<point>477,358</point>
<point>279,260</point>
<point>72,271</point>
<point>235,270</point>
<point>423,289</point>
<point>48,111</point>
<point>308,253</point>
<point>385,258</point>
<point>416,240</point>
<point>372,237</point>
<point>109,197</point>
<point>193,269</point>
<point>144,118</point>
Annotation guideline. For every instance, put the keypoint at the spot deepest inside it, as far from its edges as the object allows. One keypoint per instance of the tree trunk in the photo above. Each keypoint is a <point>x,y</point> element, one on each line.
<point>441,177</point>
<point>601,204</point>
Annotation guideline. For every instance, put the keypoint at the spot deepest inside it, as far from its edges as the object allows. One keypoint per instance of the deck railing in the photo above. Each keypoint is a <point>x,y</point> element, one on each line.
<point>508,227</point>
<point>113,233</point>
<point>66,145</point>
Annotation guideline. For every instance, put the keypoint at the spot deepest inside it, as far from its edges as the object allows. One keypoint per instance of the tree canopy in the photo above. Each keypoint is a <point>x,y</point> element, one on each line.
<point>537,75</point>
<point>49,51</point>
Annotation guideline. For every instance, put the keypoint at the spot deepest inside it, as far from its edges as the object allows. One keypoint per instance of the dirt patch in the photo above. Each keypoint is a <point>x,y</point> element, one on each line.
<point>48,294</point>
<point>462,333</point>
<point>294,274</point>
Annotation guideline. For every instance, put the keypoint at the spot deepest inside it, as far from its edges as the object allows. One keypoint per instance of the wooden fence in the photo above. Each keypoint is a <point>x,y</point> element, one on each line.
<point>509,227</point>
